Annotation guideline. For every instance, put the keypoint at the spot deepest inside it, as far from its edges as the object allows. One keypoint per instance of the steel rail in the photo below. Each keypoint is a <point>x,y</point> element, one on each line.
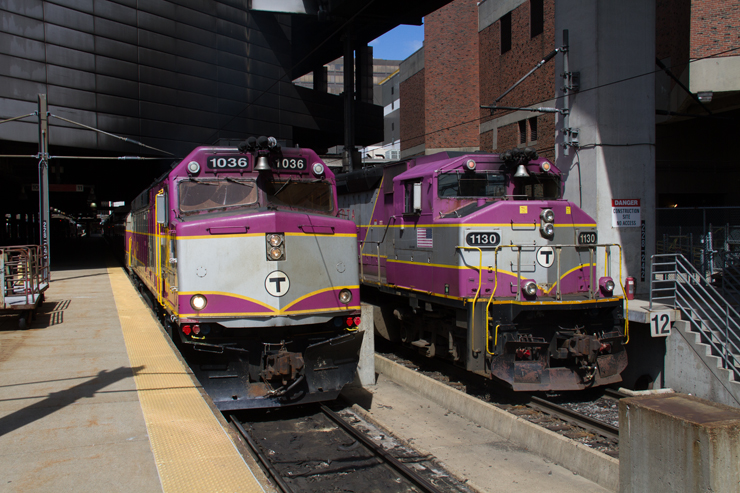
<point>409,474</point>
<point>614,394</point>
<point>274,474</point>
<point>586,422</point>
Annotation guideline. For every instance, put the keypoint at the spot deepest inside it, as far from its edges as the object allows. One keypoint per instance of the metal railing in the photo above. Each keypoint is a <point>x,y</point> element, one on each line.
<point>23,274</point>
<point>674,281</point>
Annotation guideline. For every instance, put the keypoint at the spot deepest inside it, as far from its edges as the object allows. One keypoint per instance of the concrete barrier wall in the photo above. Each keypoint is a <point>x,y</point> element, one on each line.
<point>574,456</point>
<point>678,443</point>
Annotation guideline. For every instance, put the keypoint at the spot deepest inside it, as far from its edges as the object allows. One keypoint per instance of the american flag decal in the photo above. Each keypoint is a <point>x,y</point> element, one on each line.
<point>424,238</point>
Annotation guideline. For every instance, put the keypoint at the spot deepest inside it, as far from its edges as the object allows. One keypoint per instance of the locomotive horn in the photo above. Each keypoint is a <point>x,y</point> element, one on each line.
<point>247,145</point>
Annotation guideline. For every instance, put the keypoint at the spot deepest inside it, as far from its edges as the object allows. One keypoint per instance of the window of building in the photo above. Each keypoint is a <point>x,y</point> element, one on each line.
<point>506,33</point>
<point>533,128</point>
<point>523,131</point>
<point>536,17</point>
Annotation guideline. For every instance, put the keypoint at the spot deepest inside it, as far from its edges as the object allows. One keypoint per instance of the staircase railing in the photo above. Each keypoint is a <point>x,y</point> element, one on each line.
<point>730,285</point>
<point>674,281</point>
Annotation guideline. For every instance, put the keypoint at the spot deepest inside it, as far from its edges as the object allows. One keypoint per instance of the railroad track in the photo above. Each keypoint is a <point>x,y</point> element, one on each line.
<point>317,450</point>
<point>575,425</point>
<point>588,423</point>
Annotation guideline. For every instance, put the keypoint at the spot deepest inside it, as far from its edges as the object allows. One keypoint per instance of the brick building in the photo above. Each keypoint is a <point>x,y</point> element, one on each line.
<point>440,91</point>
<point>696,41</point>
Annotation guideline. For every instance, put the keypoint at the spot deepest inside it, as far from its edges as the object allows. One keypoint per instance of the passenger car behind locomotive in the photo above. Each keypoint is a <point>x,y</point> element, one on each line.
<point>255,277</point>
<point>477,258</point>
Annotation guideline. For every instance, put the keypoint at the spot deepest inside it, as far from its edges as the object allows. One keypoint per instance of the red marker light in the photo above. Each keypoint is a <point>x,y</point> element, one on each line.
<point>349,321</point>
<point>357,321</point>
<point>196,329</point>
<point>186,330</point>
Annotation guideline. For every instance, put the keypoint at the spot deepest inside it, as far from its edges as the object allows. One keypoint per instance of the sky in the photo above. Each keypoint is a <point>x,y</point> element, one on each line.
<point>398,43</point>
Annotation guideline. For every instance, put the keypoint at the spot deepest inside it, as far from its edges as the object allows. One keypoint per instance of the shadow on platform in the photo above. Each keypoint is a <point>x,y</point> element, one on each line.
<point>58,400</point>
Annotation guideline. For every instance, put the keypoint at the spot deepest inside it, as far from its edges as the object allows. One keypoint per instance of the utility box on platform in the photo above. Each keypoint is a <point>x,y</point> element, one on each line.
<point>678,443</point>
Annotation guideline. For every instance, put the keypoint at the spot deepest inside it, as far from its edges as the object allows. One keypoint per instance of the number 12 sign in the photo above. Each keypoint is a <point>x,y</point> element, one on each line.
<point>660,323</point>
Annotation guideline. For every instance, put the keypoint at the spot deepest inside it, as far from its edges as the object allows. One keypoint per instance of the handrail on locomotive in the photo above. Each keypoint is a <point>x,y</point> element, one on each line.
<point>558,295</point>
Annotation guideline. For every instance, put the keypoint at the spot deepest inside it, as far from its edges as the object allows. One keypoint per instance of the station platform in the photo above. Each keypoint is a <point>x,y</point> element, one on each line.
<point>95,397</point>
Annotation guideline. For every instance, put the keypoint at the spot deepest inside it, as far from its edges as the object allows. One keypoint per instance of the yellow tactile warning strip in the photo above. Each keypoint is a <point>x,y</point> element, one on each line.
<point>192,451</point>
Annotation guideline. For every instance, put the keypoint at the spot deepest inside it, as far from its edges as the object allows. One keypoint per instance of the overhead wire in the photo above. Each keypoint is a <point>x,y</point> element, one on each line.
<point>607,84</point>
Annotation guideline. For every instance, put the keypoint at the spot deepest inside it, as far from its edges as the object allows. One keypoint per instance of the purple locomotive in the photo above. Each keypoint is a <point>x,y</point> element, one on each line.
<point>240,251</point>
<point>477,258</point>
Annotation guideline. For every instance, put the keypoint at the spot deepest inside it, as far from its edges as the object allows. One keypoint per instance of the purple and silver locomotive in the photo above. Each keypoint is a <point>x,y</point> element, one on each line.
<point>240,251</point>
<point>478,259</point>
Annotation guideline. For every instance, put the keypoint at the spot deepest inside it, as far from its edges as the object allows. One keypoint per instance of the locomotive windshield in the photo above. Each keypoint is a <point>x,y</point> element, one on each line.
<point>537,187</point>
<point>467,184</point>
<point>208,195</point>
<point>204,195</point>
<point>306,195</point>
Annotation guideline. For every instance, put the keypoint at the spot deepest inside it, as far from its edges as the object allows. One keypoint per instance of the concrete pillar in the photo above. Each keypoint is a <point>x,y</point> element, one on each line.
<point>365,375</point>
<point>612,45</point>
<point>321,79</point>
<point>678,443</point>
<point>364,74</point>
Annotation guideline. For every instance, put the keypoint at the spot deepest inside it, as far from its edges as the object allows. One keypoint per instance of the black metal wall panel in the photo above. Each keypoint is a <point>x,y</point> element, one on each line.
<point>21,47</point>
<point>67,77</point>
<point>23,69</point>
<point>69,38</point>
<point>80,5</point>
<point>122,107</point>
<point>28,27</point>
<point>170,73</point>
<point>114,11</point>
<point>65,57</point>
<point>72,19</point>
<point>116,49</point>
<point>29,8</point>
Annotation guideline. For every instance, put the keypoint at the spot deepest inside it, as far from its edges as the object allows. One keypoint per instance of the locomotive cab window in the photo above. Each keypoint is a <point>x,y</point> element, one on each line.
<point>537,187</point>
<point>204,195</point>
<point>305,195</point>
<point>412,197</point>
<point>467,184</point>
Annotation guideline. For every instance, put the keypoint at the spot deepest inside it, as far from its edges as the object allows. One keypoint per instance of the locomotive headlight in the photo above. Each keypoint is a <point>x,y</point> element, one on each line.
<point>193,167</point>
<point>318,169</point>
<point>345,296</point>
<point>275,253</point>
<point>198,302</point>
<point>470,165</point>
<point>529,287</point>
<point>547,229</point>
<point>547,215</point>
<point>606,284</point>
<point>275,246</point>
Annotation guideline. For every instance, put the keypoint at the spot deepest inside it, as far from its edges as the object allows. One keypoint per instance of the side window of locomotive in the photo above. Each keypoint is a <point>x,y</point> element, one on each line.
<point>204,195</point>
<point>468,184</point>
<point>412,197</point>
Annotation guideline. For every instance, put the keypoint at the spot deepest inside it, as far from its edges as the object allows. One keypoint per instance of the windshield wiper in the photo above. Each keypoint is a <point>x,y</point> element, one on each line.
<point>281,188</point>
<point>232,180</point>
<point>195,180</point>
